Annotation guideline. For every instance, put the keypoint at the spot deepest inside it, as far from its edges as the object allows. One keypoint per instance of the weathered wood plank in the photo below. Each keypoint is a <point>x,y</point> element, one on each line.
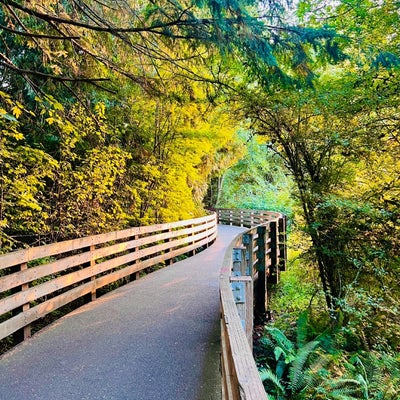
<point>119,274</point>
<point>249,382</point>
<point>11,302</point>
<point>245,309</point>
<point>40,271</point>
<point>23,319</point>
<point>32,253</point>
<point>203,235</point>
<point>230,387</point>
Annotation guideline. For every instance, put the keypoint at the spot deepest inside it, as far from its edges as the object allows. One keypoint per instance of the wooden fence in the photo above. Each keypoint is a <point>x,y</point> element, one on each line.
<point>252,262</point>
<point>38,280</point>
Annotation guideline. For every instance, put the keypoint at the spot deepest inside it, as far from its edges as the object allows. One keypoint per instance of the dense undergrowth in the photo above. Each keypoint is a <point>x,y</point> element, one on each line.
<point>302,355</point>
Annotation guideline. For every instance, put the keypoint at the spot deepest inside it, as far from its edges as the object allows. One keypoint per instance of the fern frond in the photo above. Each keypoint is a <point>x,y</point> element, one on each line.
<point>314,378</point>
<point>344,389</point>
<point>268,375</point>
<point>296,371</point>
<point>267,343</point>
<point>281,340</point>
<point>364,385</point>
<point>346,383</point>
<point>340,396</point>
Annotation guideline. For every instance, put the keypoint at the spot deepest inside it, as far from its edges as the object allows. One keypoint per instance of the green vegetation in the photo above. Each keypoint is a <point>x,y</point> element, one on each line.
<point>299,367</point>
<point>103,126</point>
<point>257,181</point>
<point>121,113</point>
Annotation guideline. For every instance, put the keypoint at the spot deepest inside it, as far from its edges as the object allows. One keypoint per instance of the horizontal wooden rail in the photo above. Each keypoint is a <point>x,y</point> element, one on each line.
<point>247,218</point>
<point>252,262</point>
<point>38,280</point>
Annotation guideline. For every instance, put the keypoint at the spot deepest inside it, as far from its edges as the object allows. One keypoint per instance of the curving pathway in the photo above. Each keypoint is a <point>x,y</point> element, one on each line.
<point>157,338</point>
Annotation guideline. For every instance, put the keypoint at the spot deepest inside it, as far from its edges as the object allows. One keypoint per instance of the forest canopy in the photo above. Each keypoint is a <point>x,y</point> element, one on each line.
<point>116,113</point>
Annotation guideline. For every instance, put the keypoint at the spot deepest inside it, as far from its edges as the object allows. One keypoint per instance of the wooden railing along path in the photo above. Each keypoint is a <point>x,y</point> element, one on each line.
<point>252,262</point>
<point>38,280</point>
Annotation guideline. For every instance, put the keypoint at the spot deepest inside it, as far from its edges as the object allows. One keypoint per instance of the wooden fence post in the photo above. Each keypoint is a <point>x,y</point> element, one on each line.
<point>93,293</point>
<point>247,240</point>
<point>261,287</point>
<point>282,243</point>
<point>25,332</point>
<point>170,260</point>
<point>242,288</point>
<point>239,265</point>
<point>273,276</point>
<point>241,218</point>
<point>193,252</point>
<point>136,275</point>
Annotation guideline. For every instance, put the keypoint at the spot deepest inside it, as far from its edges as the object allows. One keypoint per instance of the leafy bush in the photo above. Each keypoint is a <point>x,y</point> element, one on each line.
<point>308,366</point>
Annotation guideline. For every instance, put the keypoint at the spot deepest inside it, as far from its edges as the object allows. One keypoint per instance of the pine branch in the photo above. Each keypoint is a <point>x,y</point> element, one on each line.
<point>7,64</point>
<point>99,28</point>
<point>156,29</point>
<point>38,35</point>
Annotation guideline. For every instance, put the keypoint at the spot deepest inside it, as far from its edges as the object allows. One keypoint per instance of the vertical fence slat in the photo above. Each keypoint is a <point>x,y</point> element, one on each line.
<point>273,276</point>
<point>193,252</point>
<point>261,288</point>
<point>25,307</point>
<point>25,332</point>
<point>170,260</point>
<point>282,224</point>
<point>93,293</point>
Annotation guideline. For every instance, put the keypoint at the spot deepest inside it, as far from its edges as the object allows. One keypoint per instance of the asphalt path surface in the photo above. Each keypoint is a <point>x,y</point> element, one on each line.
<point>157,338</point>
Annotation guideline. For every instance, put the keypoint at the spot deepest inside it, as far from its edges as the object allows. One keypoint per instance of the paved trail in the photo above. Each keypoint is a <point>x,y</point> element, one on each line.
<point>154,339</point>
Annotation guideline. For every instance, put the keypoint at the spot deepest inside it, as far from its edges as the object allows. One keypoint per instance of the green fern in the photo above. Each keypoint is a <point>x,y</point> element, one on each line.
<point>343,389</point>
<point>341,396</point>
<point>268,375</point>
<point>281,340</point>
<point>296,371</point>
<point>378,374</point>
<point>316,373</point>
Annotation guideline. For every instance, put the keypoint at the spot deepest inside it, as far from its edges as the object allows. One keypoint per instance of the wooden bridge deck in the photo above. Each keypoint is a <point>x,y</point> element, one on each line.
<point>157,338</point>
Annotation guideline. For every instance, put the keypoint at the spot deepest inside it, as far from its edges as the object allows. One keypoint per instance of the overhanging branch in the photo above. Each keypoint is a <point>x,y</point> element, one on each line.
<point>37,35</point>
<point>48,76</point>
